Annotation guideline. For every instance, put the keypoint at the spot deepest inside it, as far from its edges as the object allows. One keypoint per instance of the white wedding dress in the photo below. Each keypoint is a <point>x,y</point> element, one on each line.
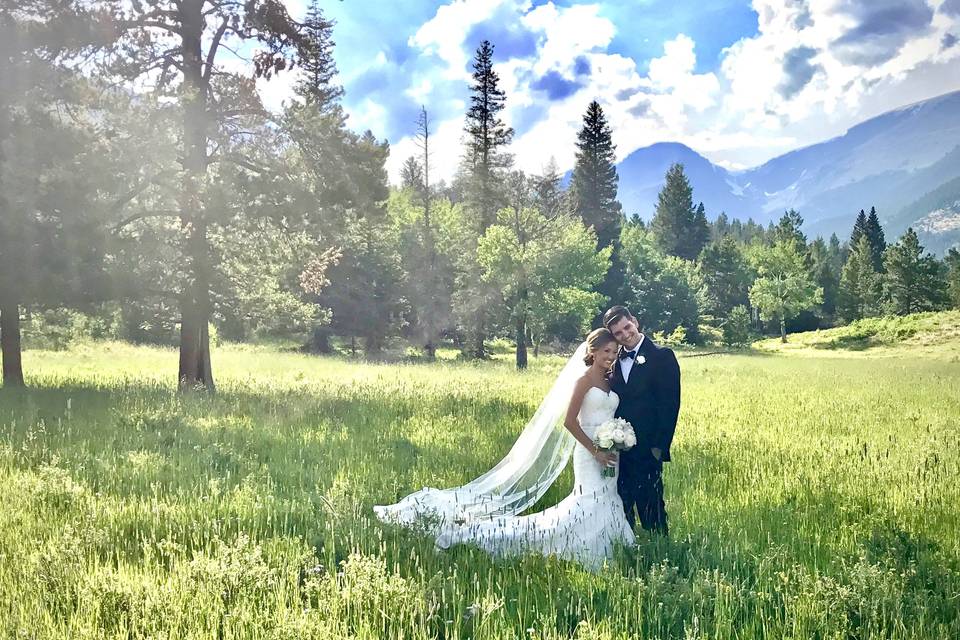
<point>583,527</point>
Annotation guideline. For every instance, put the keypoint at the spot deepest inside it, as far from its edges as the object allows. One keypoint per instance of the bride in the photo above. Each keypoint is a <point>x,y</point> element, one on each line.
<point>586,524</point>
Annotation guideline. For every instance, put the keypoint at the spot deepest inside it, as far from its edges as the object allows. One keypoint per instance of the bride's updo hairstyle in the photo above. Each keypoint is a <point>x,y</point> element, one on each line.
<point>596,340</point>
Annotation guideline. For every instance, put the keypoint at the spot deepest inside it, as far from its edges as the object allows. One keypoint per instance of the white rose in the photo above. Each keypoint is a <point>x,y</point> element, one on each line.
<point>617,435</point>
<point>630,440</point>
<point>605,443</point>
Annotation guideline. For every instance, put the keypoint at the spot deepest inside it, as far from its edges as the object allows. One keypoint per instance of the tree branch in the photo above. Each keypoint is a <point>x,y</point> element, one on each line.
<point>144,215</point>
<point>214,45</point>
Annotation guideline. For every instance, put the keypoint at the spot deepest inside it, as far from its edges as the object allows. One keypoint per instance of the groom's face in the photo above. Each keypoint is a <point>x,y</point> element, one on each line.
<point>627,331</point>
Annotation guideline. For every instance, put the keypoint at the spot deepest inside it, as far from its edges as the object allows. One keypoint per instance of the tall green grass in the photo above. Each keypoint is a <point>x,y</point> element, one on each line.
<point>809,498</point>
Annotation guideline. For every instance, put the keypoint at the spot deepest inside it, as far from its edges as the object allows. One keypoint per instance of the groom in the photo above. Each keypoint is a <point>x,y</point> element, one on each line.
<point>647,379</point>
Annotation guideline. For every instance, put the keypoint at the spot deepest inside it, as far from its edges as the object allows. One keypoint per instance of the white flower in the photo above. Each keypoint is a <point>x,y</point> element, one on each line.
<point>617,435</point>
<point>630,440</point>
<point>605,443</point>
<point>641,359</point>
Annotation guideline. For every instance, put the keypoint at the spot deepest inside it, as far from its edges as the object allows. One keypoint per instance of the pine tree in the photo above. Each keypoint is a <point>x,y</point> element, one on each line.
<point>878,242</point>
<point>914,282</point>
<point>825,274</point>
<point>836,253</point>
<point>485,160</point>
<point>595,177</point>
<point>411,175</point>
<point>952,260</point>
<point>487,135</point>
<point>549,197</point>
<point>859,229</point>
<point>726,277</point>
<point>788,230</point>
<point>319,69</point>
<point>861,287</point>
<point>680,230</point>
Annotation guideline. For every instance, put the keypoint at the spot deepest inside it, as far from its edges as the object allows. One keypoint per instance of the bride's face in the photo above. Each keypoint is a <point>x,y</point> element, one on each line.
<point>605,356</point>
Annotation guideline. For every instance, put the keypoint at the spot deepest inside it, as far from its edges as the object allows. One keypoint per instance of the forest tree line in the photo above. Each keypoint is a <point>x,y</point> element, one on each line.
<point>147,195</point>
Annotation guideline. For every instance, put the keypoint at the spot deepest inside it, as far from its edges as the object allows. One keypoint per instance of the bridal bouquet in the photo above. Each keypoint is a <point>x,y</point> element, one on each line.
<point>615,434</point>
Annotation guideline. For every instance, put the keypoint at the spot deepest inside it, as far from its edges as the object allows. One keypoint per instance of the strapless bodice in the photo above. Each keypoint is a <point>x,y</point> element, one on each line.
<point>598,407</point>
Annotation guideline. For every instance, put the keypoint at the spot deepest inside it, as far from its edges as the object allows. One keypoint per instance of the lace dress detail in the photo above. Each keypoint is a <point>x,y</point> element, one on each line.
<point>584,526</point>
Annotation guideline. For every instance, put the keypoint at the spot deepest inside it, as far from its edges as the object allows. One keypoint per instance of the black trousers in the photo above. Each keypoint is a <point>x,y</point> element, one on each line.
<point>640,486</point>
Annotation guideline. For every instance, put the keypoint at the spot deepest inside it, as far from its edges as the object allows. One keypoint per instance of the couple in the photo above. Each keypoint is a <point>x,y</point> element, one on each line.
<point>639,382</point>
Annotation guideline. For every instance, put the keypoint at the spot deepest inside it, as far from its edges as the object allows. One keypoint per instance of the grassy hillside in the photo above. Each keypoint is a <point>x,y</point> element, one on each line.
<point>809,498</point>
<point>928,334</point>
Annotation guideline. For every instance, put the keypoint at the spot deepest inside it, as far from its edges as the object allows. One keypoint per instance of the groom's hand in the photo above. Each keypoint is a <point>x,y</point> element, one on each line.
<point>656,452</point>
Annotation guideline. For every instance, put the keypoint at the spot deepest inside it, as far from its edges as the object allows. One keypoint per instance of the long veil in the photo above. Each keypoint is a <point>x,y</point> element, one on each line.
<point>520,479</point>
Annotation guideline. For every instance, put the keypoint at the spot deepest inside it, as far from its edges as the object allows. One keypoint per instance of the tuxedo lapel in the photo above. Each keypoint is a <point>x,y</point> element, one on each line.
<point>641,365</point>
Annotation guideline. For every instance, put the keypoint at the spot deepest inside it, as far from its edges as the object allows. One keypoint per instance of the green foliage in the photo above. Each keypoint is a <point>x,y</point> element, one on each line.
<point>952,260</point>
<point>726,277</point>
<point>542,265</point>
<point>594,180</point>
<point>914,282</point>
<point>878,243</point>
<point>825,275</point>
<point>783,287</point>
<point>737,327</point>
<point>248,514</point>
<point>861,286</point>
<point>661,290</point>
<point>788,230</point>
<point>680,228</point>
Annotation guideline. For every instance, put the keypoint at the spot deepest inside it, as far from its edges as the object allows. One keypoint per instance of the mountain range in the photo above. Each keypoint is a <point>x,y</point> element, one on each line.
<point>905,162</point>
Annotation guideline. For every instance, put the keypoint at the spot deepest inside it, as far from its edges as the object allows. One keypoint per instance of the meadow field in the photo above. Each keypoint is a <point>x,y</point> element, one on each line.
<point>810,497</point>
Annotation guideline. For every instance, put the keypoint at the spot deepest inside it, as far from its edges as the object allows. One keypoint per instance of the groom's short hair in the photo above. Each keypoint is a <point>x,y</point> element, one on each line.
<point>615,314</point>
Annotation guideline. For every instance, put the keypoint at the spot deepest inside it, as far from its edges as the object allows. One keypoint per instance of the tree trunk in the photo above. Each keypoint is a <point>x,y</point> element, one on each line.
<point>479,349</point>
<point>783,330</point>
<point>10,340</point>
<point>320,341</point>
<point>521,338</point>
<point>195,365</point>
<point>430,350</point>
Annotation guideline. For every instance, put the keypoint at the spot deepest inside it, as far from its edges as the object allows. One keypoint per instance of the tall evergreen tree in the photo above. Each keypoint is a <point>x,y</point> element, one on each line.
<point>825,275</point>
<point>837,253</point>
<point>318,66</point>
<point>726,278</point>
<point>678,228</point>
<point>878,243</point>
<point>861,287</point>
<point>485,160</point>
<point>549,197</point>
<point>411,175</point>
<point>594,180</point>
<point>487,136</point>
<point>788,230</point>
<point>53,172</point>
<point>952,260</point>
<point>594,187</point>
<point>914,282</point>
<point>176,47</point>
<point>859,229</point>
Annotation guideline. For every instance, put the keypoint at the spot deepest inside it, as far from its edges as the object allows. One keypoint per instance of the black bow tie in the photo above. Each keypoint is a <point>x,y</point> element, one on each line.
<point>624,355</point>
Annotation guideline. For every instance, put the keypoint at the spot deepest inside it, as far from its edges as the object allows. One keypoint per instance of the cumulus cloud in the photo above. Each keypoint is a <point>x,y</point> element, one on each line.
<point>813,68</point>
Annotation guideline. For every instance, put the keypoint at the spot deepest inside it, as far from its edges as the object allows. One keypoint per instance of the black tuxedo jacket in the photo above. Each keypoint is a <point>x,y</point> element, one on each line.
<point>650,401</point>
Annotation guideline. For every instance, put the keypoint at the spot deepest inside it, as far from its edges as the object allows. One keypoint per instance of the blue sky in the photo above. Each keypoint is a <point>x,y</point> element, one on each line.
<point>740,82</point>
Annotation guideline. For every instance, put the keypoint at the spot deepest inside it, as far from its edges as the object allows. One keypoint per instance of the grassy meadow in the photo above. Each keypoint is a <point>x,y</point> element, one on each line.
<point>810,497</point>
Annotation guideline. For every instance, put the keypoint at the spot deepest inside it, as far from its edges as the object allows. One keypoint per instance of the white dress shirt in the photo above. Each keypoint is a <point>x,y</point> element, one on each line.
<point>626,364</point>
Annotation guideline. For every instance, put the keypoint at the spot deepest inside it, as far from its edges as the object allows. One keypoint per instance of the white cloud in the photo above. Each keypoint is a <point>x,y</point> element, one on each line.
<point>443,35</point>
<point>813,69</point>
